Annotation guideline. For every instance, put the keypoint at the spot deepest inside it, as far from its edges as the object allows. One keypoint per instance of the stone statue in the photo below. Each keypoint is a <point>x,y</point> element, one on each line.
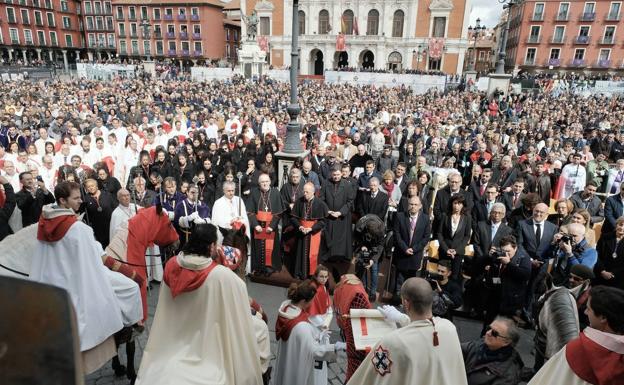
<point>252,25</point>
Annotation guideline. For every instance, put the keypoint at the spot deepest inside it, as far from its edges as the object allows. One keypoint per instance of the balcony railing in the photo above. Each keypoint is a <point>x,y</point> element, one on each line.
<point>529,62</point>
<point>171,52</point>
<point>132,18</point>
<point>185,52</point>
<point>195,17</point>
<point>134,35</point>
<point>563,16</point>
<point>604,63</point>
<point>197,53</point>
<point>156,17</point>
<point>581,40</point>
<point>122,34</point>
<point>168,17</point>
<point>607,40</point>
<point>558,39</point>
<point>588,16</point>
<point>158,35</point>
<point>554,62</point>
<point>11,20</point>
<point>170,35</point>
<point>123,52</point>
<point>612,17</point>
<point>159,52</point>
<point>534,39</point>
<point>537,17</point>
<point>183,35</point>
<point>120,17</point>
<point>15,41</point>
<point>181,17</point>
<point>196,36</point>
<point>577,62</point>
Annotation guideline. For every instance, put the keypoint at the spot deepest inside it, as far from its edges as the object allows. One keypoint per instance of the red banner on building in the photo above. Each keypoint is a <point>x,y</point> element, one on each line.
<point>263,42</point>
<point>436,47</point>
<point>341,43</point>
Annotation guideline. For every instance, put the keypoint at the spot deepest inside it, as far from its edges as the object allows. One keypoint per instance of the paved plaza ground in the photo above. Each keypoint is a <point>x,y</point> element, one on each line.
<point>270,297</point>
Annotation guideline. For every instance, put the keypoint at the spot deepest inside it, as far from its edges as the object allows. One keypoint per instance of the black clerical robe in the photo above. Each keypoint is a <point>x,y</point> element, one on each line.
<point>337,244</point>
<point>310,214</point>
<point>265,210</point>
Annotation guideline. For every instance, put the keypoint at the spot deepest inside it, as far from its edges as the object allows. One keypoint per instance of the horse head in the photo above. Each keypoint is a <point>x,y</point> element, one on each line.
<point>236,238</point>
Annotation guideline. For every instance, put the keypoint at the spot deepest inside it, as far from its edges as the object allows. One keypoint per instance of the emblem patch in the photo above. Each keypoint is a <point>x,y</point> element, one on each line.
<point>381,361</point>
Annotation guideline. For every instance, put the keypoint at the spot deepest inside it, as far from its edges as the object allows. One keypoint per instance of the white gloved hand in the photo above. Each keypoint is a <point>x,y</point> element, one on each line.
<point>390,313</point>
<point>199,221</point>
<point>184,222</point>
<point>194,216</point>
<point>170,215</point>
<point>340,346</point>
<point>324,337</point>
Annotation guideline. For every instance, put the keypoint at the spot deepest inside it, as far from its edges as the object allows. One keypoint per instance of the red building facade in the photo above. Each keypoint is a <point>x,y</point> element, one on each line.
<point>553,35</point>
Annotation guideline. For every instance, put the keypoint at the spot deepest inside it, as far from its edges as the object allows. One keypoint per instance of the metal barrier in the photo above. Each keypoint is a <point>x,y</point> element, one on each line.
<point>12,73</point>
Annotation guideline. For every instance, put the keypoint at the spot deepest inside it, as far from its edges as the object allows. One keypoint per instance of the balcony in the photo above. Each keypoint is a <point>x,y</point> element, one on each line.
<point>577,63</point>
<point>168,17</point>
<point>607,40</point>
<point>171,52</point>
<point>157,35</point>
<point>123,52</point>
<point>534,39</point>
<point>194,17</point>
<point>26,22</point>
<point>170,35</point>
<point>612,17</point>
<point>530,62</point>
<point>588,16</point>
<point>553,62</point>
<point>121,35</point>
<point>558,39</point>
<point>196,36</point>
<point>159,52</point>
<point>563,16</point>
<point>156,17</point>
<point>183,35</point>
<point>185,52</point>
<point>54,44</point>
<point>537,17</point>
<point>581,40</point>
<point>30,42</point>
<point>603,63</point>
<point>181,17</point>
<point>15,41</point>
<point>197,53</point>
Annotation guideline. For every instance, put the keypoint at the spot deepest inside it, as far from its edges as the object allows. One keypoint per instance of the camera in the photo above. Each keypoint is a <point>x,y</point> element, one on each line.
<point>39,178</point>
<point>498,254</point>
<point>566,238</point>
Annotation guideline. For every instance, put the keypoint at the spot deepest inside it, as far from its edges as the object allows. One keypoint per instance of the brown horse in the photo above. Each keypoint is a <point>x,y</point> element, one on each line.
<point>239,240</point>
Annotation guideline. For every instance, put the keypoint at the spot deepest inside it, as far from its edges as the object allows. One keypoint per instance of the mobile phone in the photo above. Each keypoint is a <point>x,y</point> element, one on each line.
<point>39,178</point>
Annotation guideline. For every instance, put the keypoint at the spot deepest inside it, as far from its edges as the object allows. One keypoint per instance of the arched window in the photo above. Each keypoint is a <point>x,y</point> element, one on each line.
<point>347,22</point>
<point>372,24</point>
<point>302,23</point>
<point>323,26</point>
<point>397,24</point>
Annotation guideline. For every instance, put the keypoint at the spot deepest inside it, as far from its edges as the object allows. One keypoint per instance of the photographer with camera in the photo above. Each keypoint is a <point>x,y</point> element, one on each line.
<point>369,240</point>
<point>572,249</point>
<point>507,275</point>
<point>32,197</point>
<point>447,294</point>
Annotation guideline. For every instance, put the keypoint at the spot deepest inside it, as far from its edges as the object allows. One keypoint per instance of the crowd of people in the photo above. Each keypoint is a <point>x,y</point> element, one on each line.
<point>496,201</point>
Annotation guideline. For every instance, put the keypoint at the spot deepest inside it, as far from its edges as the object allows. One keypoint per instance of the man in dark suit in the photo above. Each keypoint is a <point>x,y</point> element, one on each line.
<point>478,187</point>
<point>488,235</point>
<point>140,196</point>
<point>542,182</point>
<point>443,197</point>
<point>513,198</point>
<point>31,198</point>
<point>588,200</point>
<point>483,206</point>
<point>530,229</point>
<point>614,208</point>
<point>372,201</point>
<point>412,232</point>
<point>400,178</point>
<point>7,210</point>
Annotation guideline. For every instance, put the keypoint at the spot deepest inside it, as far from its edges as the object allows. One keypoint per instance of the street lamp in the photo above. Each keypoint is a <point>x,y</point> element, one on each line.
<point>508,4</point>
<point>421,50</point>
<point>476,31</point>
<point>146,35</point>
<point>293,141</point>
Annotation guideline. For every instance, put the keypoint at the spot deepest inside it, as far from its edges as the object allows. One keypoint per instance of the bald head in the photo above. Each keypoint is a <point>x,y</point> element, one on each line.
<point>308,190</point>
<point>123,196</point>
<point>417,298</point>
<point>576,229</point>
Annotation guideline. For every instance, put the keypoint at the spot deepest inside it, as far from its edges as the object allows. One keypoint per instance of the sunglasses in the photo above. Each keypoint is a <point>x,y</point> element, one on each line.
<point>496,334</point>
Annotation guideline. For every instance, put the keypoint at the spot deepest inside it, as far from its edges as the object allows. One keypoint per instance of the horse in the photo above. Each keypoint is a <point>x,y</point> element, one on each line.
<point>125,254</point>
<point>237,239</point>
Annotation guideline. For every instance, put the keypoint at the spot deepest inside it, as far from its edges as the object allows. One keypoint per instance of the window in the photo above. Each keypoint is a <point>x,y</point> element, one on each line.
<point>579,54</point>
<point>48,4</point>
<point>108,9</point>
<point>91,38</point>
<point>584,31</point>
<point>564,8</point>
<point>185,46</point>
<point>13,35</point>
<point>435,64</point>
<point>170,28</point>
<point>147,50</point>
<point>50,17</point>
<point>133,29</point>
<point>181,11</point>
<point>156,14</point>
<point>538,11</point>
<point>122,29</point>
<point>109,23</point>
<point>99,23</point>
<point>111,40</point>
<point>159,48</point>
<point>172,46</point>
<point>135,47</point>
<point>529,59</point>
<point>482,56</point>
<point>122,47</point>
<point>347,22</point>
<point>38,18</point>
<point>65,7</point>
<point>53,39</point>
<point>11,15</point>
<point>302,23</point>
<point>66,22</point>
<point>265,26</point>
<point>609,35</point>
<point>195,11</point>
<point>589,8</point>
<point>559,33</point>
<point>372,23</point>
<point>323,26</point>
<point>34,2</point>
<point>41,37</point>
<point>198,46</point>
<point>439,26</point>
<point>25,18</point>
<point>397,24</point>
<point>28,36</point>
<point>197,29</point>
<point>614,11</point>
<point>144,13</point>
<point>90,23</point>
<point>68,41</point>
<point>120,14</point>
<point>131,13</point>
<point>169,11</point>
<point>535,34</point>
<point>555,53</point>
<point>98,7</point>
<point>604,54</point>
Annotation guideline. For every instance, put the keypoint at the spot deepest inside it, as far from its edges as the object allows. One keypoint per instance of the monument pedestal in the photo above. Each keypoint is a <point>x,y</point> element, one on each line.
<point>499,82</point>
<point>251,60</point>
<point>471,75</point>
<point>285,161</point>
<point>149,66</point>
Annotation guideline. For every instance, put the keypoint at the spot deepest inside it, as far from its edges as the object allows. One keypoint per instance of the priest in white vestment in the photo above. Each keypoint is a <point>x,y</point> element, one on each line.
<point>203,331</point>
<point>230,210</point>
<point>573,177</point>
<point>68,256</point>
<point>597,356</point>
<point>424,351</point>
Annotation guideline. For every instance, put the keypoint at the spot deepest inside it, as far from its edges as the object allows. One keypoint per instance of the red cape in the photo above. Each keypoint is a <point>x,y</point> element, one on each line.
<point>284,325</point>
<point>594,363</point>
<point>53,229</point>
<point>181,280</point>
<point>321,301</point>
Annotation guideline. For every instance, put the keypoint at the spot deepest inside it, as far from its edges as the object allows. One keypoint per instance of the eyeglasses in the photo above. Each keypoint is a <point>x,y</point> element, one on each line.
<point>496,334</point>
<point>575,278</point>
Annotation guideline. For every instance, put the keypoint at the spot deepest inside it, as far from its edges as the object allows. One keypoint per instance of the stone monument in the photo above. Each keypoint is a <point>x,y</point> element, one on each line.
<point>251,58</point>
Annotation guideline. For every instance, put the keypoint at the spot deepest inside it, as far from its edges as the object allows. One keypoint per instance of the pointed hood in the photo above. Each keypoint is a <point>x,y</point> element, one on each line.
<point>597,357</point>
<point>54,223</point>
<point>288,317</point>
<point>186,273</point>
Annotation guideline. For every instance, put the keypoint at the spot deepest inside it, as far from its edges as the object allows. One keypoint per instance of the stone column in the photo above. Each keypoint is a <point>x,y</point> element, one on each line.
<point>65,63</point>
<point>99,55</point>
<point>10,54</point>
<point>38,53</point>
<point>90,56</point>
<point>51,55</point>
<point>24,56</point>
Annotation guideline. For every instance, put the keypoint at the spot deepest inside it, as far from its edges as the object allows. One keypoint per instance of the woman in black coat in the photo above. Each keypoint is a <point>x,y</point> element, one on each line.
<point>99,206</point>
<point>106,182</point>
<point>454,234</point>
<point>609,269</point>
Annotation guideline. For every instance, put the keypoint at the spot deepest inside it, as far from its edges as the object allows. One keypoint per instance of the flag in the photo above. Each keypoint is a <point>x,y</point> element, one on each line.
<point>436,46</point>
<point>341,43</point>
<point>263,43</point>
<point>356,30</point>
